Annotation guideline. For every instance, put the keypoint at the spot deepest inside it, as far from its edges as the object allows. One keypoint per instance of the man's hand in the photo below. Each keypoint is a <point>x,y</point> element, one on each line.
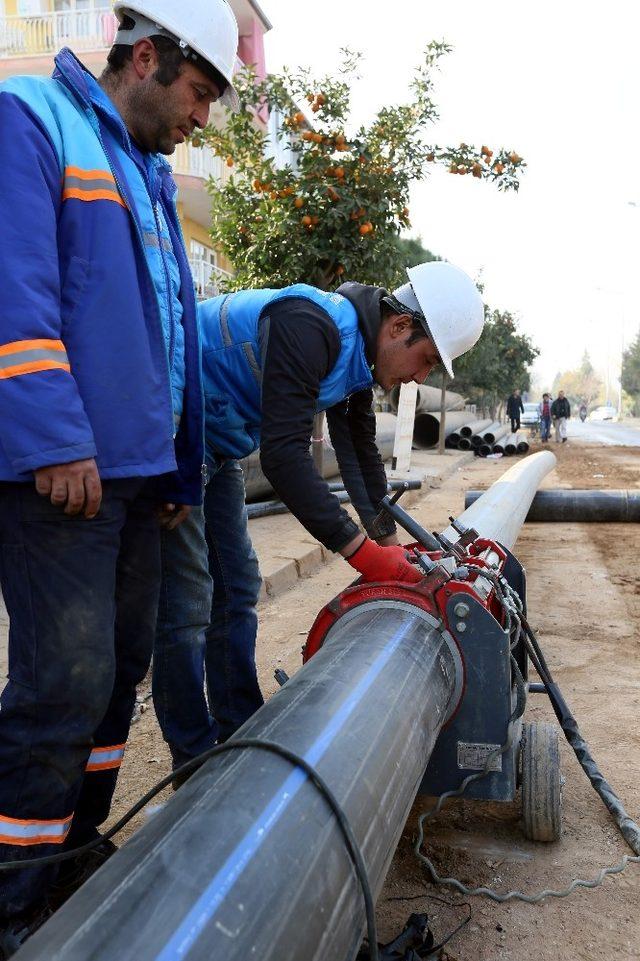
<point>75,486</point>
<point>390,540</point>
<point>377,563</point>
<point>172,515</point>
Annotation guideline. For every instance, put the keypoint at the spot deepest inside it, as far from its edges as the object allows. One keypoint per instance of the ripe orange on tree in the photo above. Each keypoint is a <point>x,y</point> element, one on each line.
<point>298,202</point>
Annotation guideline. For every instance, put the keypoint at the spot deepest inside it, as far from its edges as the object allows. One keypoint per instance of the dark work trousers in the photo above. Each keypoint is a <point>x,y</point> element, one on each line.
<point>82,598</point>
<point>207,621</point>
<point>515,423</point>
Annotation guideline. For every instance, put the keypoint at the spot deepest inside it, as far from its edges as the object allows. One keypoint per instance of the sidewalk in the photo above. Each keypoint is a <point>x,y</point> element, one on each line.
<point>287,552</point>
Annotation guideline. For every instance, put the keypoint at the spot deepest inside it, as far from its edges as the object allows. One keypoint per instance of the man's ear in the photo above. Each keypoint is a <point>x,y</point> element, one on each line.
<point>399,324</point>
<point>145,58</point>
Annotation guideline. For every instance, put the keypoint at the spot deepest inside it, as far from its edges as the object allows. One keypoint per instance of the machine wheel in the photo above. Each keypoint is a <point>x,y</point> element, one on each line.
<point>541,782</point>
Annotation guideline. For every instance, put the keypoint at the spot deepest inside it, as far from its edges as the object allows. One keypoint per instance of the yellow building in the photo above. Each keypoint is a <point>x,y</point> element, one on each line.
<point>32,32</point>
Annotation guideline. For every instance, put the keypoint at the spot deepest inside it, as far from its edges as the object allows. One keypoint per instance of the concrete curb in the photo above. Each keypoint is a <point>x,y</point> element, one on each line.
<point>287,553</point>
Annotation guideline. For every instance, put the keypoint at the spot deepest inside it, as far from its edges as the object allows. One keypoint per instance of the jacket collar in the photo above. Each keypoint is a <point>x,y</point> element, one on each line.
<point>72,74</point>
<point>368,304</point>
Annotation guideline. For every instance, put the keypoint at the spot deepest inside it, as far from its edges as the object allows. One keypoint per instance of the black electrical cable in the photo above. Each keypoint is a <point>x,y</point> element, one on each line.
<point>452,904</point>
<point>240,743</point>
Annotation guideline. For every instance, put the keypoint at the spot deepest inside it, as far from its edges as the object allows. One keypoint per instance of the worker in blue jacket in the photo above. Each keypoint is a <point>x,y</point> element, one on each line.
<point>271,360</point>
<point>100,417</point>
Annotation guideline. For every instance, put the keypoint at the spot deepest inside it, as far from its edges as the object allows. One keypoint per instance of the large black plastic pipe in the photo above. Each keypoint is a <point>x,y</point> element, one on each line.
<point>246,860</point>
<point>579,506</point>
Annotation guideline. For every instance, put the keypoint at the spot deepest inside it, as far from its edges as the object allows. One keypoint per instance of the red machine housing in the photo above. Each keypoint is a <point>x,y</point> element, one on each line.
<point>430,594</point>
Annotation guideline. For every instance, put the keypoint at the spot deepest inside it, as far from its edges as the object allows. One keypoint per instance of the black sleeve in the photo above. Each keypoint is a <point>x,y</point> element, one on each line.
<point>301,345</point>
<point>352,427</point>
<point>521,405</point>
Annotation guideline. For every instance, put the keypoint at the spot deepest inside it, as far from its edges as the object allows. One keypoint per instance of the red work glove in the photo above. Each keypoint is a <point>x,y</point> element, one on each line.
<point>377,563</point>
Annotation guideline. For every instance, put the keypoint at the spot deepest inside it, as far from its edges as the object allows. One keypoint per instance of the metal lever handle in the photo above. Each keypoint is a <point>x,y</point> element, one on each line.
<point>407,522</point>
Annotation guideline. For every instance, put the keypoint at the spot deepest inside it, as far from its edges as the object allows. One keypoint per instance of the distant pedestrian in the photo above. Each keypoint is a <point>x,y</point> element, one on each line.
<point>514,408</point>
<point>561,412</point>
<point>544,409</point>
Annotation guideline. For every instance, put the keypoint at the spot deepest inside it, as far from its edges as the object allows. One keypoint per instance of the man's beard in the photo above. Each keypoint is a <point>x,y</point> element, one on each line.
<point>151,106</point>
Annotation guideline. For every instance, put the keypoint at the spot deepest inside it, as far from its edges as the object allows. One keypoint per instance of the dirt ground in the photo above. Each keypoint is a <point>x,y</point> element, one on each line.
<point>584,601</point>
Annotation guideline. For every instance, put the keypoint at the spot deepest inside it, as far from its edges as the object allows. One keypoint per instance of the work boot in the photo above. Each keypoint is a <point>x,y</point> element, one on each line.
<point>564,440</point>
<point>15,931</point>
<point>74,872</point>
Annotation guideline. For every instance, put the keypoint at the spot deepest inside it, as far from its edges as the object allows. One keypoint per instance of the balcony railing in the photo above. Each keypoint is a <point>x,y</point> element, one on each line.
<point>46,33</point>
<point>206,278</point>
<point>196,162</point>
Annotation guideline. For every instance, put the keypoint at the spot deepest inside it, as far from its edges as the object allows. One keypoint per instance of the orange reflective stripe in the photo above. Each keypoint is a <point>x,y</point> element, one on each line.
<point>105,758</point>
<point>23,833</point>
<point>17,346</point>
<point>74,193</point>
<point>32,368</point>
<point>88,174</point>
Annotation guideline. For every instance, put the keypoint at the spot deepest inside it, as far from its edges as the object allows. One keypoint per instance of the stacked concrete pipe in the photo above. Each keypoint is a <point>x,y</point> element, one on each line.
<point>428,399</point>
<point>426,427</point>
<point>493,446</point>
<point>466,432</point>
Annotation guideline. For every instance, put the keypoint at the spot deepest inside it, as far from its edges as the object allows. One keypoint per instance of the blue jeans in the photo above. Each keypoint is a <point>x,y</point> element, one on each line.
<point>82,597</point>
<point>545,428</point>
<point>207,621</point>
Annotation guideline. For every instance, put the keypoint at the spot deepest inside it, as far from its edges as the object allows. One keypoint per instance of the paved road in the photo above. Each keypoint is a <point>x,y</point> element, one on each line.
<point>603,432</point>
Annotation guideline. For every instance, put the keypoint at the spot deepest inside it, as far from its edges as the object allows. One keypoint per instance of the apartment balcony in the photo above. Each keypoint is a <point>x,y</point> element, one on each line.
<point>40,34</point>
<point>192,168</point>
<point>206,278</point>
<point>200,162</point>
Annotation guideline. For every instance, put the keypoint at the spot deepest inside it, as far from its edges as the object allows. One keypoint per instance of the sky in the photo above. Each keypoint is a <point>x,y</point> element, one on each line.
<point>557,82</point>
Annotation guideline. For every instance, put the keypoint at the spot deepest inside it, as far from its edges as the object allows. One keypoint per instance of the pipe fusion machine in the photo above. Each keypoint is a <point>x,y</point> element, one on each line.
<point>471,595</point>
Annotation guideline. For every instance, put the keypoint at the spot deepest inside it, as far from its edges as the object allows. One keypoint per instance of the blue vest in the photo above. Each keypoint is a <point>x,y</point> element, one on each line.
<point>234,331</point>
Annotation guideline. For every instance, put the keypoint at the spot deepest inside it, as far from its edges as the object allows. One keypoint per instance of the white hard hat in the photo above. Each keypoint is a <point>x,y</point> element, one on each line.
<point>207,28</point>
<point>450,305</point>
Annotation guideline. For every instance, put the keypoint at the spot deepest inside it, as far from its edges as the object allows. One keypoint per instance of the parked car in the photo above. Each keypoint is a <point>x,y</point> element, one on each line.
<point>606,412</point>
<point>530,415</point>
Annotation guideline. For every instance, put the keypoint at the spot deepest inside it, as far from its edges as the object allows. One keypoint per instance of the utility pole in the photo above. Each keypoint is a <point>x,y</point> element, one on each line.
<point>443,413</point>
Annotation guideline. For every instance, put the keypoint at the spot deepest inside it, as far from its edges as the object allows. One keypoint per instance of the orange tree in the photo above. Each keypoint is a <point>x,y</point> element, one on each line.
<point>334,211</point>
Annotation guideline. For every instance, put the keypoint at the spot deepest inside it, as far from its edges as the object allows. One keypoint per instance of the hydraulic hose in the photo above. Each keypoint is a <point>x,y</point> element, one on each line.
<point>627,826</point>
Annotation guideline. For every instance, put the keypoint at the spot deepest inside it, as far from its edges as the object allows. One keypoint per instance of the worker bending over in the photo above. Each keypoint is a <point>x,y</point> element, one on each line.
<point>271,360</point>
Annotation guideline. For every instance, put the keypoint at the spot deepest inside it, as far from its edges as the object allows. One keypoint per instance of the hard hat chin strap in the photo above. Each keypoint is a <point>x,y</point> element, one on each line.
<point>399,308</point>
<point>142,28</point>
